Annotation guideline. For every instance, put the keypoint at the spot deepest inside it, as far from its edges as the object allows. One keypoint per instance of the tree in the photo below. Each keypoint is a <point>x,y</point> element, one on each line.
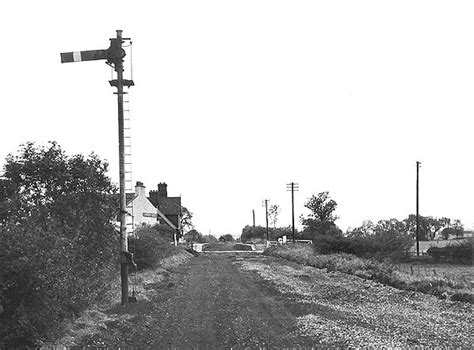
<point>366,229</point>
<point>390,226</point>
<point>209,239</point>
<point>186,219</point>
<point>253,233</point>
<point>59,244</point>
<point>322,208</point>
<point>229,238</point>
<point>459,228</point>
<point>454,228</point>
<point>74,190</point>
<point>430,227</point>
<point>273,213</point>
<point>192,236</point>
<point>321,219</point>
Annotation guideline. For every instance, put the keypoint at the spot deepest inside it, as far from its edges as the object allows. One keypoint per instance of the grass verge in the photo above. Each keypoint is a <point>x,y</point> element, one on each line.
<point>383,272</point>
<point>97,318</point>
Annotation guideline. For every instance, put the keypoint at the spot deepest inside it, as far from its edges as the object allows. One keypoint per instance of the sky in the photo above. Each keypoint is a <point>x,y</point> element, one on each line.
<point>235,99</point>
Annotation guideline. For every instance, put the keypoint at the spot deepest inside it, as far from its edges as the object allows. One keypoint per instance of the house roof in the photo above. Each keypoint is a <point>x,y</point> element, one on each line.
<point>129,197</point>
<point>170,205</point>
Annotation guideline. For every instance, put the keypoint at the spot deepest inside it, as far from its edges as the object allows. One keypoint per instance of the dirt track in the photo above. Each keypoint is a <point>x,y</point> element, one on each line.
<point>249,301</point>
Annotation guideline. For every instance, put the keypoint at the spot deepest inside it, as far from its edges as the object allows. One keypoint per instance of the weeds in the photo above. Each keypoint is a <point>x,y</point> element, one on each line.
<point>413,278</point>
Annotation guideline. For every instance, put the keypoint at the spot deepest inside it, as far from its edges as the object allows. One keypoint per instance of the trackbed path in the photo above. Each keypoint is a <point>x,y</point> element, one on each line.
<point>250,301</point>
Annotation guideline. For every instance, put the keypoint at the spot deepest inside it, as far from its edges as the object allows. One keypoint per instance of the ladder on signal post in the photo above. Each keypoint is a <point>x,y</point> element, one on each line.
<point>127,145</point>
<point>127,134</point>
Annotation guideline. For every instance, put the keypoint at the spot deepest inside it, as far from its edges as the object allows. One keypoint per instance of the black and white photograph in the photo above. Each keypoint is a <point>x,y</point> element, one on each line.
<point>265,174</point>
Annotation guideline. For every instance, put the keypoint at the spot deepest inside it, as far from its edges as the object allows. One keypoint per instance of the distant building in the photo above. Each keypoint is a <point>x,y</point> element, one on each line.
<point>157,208</point>
<point>139,209</point>
<point>168,208</point>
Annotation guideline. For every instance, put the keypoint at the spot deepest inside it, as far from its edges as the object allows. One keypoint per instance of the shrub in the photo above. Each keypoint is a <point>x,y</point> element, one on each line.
<point>457,252</point>
<point>47,277</point>
<point>239,246</point>
<point>59,248</point>
<point>253,233</point>
<point>208,239</point>
<point>381,245</point>
<point>464,297</point>
<point>372,269</point>
<point>227,238</point>
<point>149,245</point>
<point>259,233</point>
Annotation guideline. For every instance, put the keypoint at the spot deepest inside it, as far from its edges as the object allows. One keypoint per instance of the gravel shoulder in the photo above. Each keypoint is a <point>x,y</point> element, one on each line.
<point>251,301</point>
<point>340,310</point>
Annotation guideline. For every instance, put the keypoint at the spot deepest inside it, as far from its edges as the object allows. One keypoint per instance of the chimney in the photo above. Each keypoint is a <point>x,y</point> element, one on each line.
<point>140,189</point>
<point>162,191</point>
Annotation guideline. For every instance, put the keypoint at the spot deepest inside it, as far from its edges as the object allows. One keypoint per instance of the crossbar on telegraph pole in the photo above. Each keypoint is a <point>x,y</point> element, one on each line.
<point>114,56</point>
<point>292,187</point>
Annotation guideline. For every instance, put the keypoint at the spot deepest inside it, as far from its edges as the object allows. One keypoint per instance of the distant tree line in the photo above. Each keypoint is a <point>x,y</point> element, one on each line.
<point>390,236</point>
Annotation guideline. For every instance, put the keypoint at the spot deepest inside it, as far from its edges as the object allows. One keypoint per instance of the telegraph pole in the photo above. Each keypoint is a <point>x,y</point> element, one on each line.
<point>266,215</point>
<point>417,209</point>
<point>114,56</point>
<point>292,187</point>
<point>253,214</point>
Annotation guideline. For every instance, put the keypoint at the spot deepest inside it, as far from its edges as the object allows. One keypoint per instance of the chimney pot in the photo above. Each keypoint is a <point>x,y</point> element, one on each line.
<point>140,189</point>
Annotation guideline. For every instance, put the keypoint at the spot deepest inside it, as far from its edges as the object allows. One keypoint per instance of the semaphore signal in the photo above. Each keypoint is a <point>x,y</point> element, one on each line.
<point>114,56</point>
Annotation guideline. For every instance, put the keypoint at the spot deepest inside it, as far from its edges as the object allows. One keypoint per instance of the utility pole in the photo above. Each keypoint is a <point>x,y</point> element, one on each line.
<point>292,187</point>
<point>417,209</point>
<point>266,214</point>
<point>253,214</point>
<point>114,56</point>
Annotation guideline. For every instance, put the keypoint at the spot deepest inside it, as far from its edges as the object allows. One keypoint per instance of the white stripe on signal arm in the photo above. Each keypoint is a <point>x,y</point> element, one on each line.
<point>76,56</point>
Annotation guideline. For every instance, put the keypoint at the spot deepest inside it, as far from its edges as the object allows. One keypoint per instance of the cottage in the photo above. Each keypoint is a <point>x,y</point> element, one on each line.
<point>157,208</point>
<point>139,209</point>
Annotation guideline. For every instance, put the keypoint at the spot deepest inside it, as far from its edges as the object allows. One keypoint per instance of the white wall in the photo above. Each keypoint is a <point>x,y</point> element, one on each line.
<point>140,211</point>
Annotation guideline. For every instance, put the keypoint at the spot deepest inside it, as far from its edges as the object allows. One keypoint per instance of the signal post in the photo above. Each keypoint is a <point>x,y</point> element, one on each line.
<point>114,56</point>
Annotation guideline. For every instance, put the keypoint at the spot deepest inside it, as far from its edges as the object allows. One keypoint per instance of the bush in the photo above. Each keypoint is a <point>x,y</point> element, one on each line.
<point>59,249</point>
<point>464,297</point>
<point>458,252</point>
<point>258,234</point>
<point>253,233</point>
<point>46,277</point>
<point>150,245</point>
<point>227,238</point>
<point>380,245</point>
<point>240,246</point>
<point>372,269</point>
<point>208,239</point>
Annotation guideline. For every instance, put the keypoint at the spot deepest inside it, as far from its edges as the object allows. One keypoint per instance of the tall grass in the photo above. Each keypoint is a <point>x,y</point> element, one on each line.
<point>383,272</point>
